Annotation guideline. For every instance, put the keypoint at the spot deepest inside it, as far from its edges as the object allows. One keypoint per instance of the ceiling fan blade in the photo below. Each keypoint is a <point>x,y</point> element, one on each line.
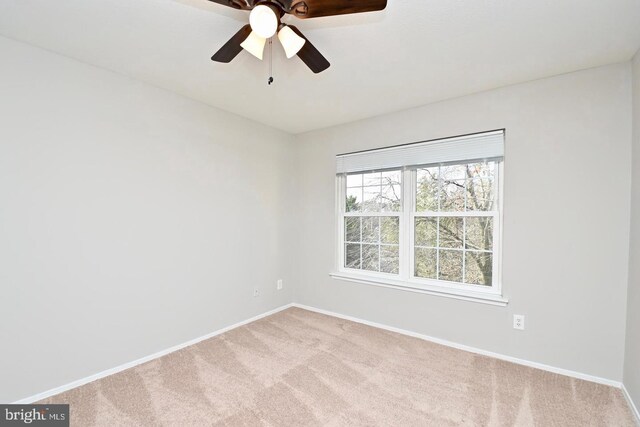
<point>317,8</point>
<point>310,55</point>
<point>232,48</point>
<point>236,4</point>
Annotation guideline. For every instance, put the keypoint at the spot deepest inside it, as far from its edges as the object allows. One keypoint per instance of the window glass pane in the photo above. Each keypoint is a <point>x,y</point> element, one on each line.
<point>352,229</point>
<point>478,268</point>
<point>354,180</point>
<point>391,196</point>
<point>390,259</point>
<point>372,178</point>
<point>452,196</point>
<point>370,229</point>
<point>370,258</point>
<point>451,232</point>
<point>354,199</point>
<point>455,188</point>
<point>371,199</point>
<point>450,265</point>
<point>479,233</point>
<point>426,233</point>
<point>371,243</point>
<point>425,263</point>
<point>480,194</point>
<point>391,177</point>
<point>390,229</point>
<point>453,172</point>
<point>480,170</point>
<point>427,190</point>
<point>374,192</point>
<point>352,255</point>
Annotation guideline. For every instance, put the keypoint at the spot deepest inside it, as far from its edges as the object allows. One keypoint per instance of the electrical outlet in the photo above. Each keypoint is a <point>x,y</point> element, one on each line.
<point>256,292</point>
<point>279,284</point>
<point>518,322</point>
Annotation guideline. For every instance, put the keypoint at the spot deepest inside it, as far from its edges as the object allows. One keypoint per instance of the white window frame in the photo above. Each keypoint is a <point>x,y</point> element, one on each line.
<point>406,279</point>
<point>341,192</point>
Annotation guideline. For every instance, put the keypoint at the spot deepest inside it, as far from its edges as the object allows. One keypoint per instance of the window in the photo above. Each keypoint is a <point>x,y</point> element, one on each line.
<point>428,219</point>
<point>453,223</point>
<point>372,221</point>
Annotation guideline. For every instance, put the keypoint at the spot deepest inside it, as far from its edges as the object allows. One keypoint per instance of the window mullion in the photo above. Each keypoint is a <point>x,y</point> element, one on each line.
<point>438,222</point>
<point>464,226</point>
<point>408,203</point>
<point>464,248</point>
<point>361,239</point>
<point>379,244</point>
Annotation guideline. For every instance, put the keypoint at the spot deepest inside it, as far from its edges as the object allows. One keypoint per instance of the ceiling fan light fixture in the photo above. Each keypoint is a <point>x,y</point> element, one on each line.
<point>254,44</point>
<point>263,21</point>
<point>291,42</point>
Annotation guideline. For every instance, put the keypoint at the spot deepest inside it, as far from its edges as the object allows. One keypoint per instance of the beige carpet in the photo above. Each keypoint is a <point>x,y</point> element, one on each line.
<point>299,368</point>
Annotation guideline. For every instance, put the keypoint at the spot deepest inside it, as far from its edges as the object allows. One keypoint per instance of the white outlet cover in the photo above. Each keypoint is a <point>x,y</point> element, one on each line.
<point>279,284</point>
<point>518,322</point>
<point>256,292</point>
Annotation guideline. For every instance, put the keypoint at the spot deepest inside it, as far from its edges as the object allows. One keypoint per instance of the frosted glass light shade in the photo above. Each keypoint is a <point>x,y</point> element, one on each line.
<point>291,42</point>
<point>263,21</point>
<point>254,44</point>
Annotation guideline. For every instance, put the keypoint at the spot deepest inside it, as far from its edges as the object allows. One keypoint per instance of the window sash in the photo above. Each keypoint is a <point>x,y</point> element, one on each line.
<point>341,195</point>
<point>406,217</point>
<point>458,285</point>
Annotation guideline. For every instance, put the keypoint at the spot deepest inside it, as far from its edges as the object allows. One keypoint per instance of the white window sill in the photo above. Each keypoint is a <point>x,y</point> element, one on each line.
<point>460,294</point>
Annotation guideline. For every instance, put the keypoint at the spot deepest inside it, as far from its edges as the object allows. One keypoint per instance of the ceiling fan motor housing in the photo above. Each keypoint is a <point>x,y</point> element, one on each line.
<point>277,8</point>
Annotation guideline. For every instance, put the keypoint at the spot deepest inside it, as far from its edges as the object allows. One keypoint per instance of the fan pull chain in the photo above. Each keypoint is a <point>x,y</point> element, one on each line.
<point>270,61</point>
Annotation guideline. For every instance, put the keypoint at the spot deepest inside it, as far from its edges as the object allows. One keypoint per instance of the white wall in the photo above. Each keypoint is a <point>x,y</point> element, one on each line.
<point>566,220</point>
<point>632,358</point>
<point>131,219</point>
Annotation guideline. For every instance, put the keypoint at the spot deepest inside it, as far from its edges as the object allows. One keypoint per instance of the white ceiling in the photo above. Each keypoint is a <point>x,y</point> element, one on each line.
<point>413,53</point>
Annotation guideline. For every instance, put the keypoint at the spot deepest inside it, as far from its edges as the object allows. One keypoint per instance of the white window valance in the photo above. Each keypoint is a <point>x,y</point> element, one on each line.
<point>487,145</point>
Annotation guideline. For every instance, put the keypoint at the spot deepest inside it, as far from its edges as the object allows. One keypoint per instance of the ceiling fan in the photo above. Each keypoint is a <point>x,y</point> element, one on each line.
<point>264,23</point>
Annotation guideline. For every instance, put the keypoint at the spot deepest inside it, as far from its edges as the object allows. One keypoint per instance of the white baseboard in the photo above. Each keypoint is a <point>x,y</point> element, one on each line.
<point>94,377</point>
<point>528,363</point>
<point>632,404</point>
<point>83,381</point>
